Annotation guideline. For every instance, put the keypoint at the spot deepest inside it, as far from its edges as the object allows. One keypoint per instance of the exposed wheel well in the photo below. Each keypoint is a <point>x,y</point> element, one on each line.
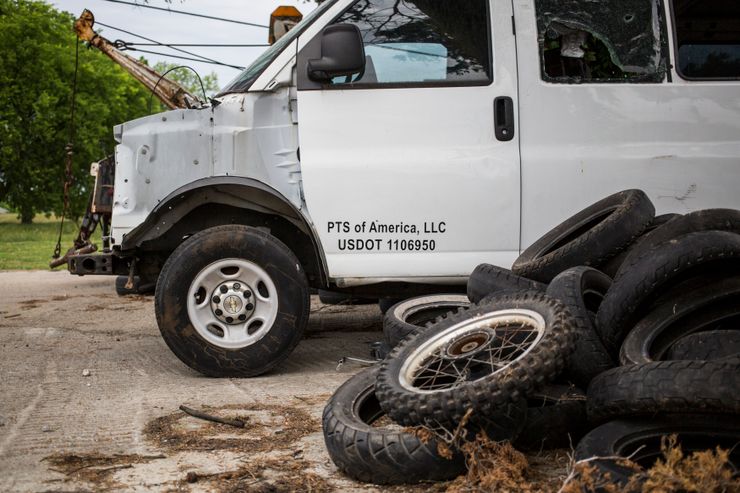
<point>220,201</point>
<point>211,215</point>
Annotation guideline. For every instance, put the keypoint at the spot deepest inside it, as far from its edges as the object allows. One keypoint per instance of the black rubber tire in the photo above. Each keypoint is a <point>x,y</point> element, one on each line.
<point>386,304</point>
<point>694,222</point>
<point>556,418</point>
<point>660,268</point>
<point>379,455</point>
<point>415,313</point>
<point>707,387</point>
<point>486,395</point>
<point>487,279</point>
<point>241,242</point>
<point>139,287</point>
<point>640,439</point>
<point>588,238</point>
<point>581,290</point>
<point>611,266</point>
<point>712,306</point>
<point>710,345</point>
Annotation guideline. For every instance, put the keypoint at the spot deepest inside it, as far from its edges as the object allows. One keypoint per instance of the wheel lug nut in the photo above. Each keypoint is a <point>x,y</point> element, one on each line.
<point>247,294</point>
<point>229,320</point>
<point>242,317</point>
<point>249,307</point>
<point>216,299</point>
<point>237,286</point>
<point>219,312</point>
<point>224,289</point>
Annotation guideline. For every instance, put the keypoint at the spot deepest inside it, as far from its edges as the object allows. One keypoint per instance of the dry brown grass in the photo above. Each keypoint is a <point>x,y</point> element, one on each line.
<point>261,475</point>
<point>495,466</point>
<point>270,427</point>
<point>707,471</point>
<point>93,467</point>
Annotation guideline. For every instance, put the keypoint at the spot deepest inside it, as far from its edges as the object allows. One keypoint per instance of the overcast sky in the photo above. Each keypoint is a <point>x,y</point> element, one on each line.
<point>166,27</point>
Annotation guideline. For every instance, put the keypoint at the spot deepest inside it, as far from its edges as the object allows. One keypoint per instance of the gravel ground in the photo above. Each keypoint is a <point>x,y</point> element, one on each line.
<point>89,398</point>
<point>120,427</point>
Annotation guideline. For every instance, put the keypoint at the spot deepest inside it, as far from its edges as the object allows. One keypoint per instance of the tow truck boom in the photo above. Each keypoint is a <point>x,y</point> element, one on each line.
<point>172,94</point>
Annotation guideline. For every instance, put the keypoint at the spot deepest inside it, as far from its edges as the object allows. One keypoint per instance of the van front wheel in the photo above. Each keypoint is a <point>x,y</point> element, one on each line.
<point>232,301</point>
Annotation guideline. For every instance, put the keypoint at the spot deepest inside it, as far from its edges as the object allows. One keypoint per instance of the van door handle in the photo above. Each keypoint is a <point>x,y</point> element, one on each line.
<point>504,118</point>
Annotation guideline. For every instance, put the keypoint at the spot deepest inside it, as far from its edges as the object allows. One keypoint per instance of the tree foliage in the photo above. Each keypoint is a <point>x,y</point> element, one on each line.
<point>187,79</point>
<point>37,61</point>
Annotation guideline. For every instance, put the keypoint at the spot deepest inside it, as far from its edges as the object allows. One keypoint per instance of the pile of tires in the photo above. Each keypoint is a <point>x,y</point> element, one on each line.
<point>616,328</point>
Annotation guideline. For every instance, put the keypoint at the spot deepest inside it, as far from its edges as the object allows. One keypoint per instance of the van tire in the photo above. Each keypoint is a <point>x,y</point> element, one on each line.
<point>588,238</point>
<point>581,290</point>
<point>374,454</point>
<point>418,313</point>
<point>286,300</point>
<point>533,366</point>
<point>666,387</point>
<point>694,222</point>
<point>487,279</point>
<point>710,345</point>
<point>713,305</point>
<point>656,271</point>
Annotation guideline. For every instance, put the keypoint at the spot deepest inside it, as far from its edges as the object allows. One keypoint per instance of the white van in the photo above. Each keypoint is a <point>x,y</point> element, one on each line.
<point>384,145</point>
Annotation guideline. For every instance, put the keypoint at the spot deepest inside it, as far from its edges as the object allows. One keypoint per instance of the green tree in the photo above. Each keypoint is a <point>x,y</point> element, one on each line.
<point>37,60</point>
<point>187,79</point>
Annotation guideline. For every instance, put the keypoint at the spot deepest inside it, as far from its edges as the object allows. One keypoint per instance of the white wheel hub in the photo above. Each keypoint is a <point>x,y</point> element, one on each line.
<point>232,303</point>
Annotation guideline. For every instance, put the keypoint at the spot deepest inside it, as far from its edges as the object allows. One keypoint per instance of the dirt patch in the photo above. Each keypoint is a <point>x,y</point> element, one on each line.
<point>31,304</point>
<point>277,474</point>
<point>94,468</point>
<point>96,308</point>
<point>269,427</point>
<point>138,298</point>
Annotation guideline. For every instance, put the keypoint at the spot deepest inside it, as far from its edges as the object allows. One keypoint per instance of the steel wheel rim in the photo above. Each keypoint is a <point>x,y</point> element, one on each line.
<point>472,350</point>
<point>233,303</point>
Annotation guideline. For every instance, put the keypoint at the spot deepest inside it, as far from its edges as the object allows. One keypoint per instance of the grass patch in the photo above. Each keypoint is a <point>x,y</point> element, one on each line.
<point>30,246</point>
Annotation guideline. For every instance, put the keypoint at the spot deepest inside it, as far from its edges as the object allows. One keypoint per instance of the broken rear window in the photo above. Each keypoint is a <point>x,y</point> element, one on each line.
<point>600,40</point>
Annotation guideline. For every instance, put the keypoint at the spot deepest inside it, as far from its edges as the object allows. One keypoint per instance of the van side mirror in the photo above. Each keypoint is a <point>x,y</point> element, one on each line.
<point>342,53</point>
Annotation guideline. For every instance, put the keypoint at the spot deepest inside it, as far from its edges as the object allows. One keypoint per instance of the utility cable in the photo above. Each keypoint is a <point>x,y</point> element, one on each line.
<point>202,87</point>
<point>189,13</point>
<point>186,58</point>
<point>201,57</point>
<point>205,45</point>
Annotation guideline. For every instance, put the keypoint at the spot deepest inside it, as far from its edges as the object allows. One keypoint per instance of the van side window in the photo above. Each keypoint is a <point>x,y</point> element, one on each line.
<point>422,42</point>
<point>585,41</point>
<point>707,39</point>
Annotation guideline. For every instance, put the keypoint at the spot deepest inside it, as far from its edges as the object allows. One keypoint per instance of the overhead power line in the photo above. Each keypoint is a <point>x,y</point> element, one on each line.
<point>204,45</point>
<point>189,13</point>
<point>200,58</point>
<point>186,58</point>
